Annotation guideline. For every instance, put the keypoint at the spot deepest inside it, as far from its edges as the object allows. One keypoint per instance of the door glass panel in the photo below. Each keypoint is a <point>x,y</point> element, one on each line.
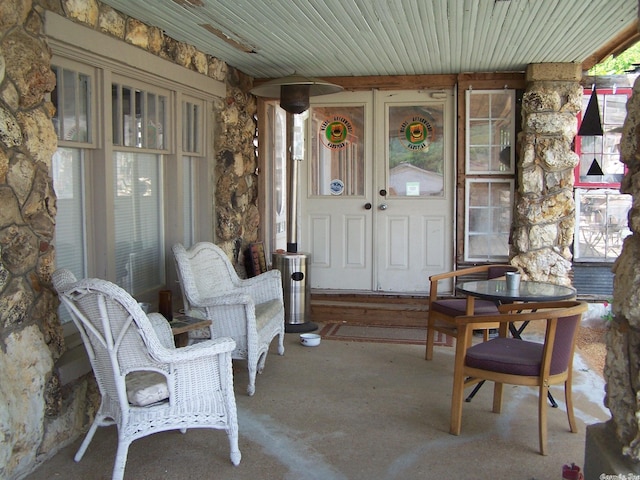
<point>416,151</point>
<point>337,151</point>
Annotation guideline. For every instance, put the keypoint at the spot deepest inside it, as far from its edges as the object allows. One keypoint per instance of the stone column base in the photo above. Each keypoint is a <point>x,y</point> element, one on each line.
<point>603,454</point>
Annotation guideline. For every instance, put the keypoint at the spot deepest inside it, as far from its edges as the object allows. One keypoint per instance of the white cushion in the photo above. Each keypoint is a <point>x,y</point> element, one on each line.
<point>145,388</point>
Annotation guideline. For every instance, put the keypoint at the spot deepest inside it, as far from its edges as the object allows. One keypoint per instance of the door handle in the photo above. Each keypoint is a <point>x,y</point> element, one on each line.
<point>367,206</point>
<point>383,206</point>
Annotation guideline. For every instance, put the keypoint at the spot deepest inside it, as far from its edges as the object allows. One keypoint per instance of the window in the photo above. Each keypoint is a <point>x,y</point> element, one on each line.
<point>600,164</point>
<point>490,131</point>
<point>601,210</point>
<point>126,169</point>
<point>488,220</point>
<point>489,173</point>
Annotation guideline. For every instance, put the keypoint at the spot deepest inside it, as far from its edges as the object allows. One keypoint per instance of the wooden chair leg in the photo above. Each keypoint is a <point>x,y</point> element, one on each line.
<point>497,397</point>
<point>456,403</point>
<point>568,398</point>
<point>542,418</point>
<point>430,340</point>
<point>458,381</point>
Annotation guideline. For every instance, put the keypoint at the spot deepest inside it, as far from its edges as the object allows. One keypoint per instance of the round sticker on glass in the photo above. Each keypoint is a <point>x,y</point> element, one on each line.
<point>336,186</point>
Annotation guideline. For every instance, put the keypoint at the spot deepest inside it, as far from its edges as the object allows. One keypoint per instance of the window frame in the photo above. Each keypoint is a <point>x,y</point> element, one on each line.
<point>468,234</point>
<point>469,176</point>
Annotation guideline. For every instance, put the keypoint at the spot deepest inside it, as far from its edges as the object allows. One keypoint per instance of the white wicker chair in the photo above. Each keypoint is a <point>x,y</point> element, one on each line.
<point>147,385</point>
<point>251,311</point>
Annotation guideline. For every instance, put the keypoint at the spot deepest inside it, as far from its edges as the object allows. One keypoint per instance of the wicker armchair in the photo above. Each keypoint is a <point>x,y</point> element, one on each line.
<point>147,385</point>
<point>251,311</point>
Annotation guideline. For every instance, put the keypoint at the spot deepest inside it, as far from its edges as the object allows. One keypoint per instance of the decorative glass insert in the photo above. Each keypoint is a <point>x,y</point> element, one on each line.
<point>72,99</point>
<point>337,151</point>
<point>139,118</point>
<point>490,132</point>
<point>192,127</point>
<point>416,151</point>
<point>488,222</point>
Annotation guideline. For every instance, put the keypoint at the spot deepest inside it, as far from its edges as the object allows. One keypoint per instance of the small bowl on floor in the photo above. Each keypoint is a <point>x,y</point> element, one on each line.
<point>310,339</point>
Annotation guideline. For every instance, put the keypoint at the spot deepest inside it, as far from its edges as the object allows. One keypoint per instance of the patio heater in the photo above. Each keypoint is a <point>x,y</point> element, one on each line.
<point>294,92</point>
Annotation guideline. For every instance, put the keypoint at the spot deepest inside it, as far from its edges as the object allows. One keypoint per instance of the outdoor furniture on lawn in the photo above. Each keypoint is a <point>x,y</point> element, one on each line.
<point>146,383</point>
<point>251,311</point>
<point>516,361</point>
<point>443,311</point>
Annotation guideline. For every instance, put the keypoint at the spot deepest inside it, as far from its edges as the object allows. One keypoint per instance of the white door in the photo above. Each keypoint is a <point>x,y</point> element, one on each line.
<point>414,158</point>
<point>376,203</point>
<point>336,180</point>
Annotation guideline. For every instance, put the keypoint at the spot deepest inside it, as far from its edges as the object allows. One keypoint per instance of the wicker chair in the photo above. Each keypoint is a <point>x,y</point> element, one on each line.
<point>147,385</point>
<point>519,362</point>
<point>251,311</point>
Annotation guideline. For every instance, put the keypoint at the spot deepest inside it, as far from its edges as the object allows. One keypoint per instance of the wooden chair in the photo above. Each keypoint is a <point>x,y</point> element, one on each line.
<point>443,311</point>
<point>147,385</point>
<point>519,362</point>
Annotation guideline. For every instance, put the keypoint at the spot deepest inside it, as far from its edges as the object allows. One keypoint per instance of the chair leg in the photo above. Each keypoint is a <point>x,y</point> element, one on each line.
<point>281,342</point>
<point>542,418</point>
<point>121,459</point>
<point>87,439</point>
<point>568,398</point>
<point>430,339</point>
<point>232,433</point>
<point>251,388</point>
<point>456,404</point>
<point>497,397</point>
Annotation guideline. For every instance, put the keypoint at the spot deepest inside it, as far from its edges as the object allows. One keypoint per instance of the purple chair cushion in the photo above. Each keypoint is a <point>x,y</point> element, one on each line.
<point>455,307</point>
<point>506,355</point>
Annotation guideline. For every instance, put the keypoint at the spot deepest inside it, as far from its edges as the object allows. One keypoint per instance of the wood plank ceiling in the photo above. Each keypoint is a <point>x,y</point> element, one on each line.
<point>342,38</point>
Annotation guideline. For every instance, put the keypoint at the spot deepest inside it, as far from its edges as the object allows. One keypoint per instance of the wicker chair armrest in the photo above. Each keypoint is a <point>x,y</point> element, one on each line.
<point>264,287</point>
<point>207,348</point>
<point>225,300</point>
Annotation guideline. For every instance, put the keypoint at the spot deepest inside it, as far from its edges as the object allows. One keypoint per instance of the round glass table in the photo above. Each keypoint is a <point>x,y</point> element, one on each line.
<point>527,292</point>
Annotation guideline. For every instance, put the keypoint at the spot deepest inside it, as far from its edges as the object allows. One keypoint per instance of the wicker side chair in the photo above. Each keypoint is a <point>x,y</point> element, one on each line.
<point>147,385</point>
<point>251,311</point>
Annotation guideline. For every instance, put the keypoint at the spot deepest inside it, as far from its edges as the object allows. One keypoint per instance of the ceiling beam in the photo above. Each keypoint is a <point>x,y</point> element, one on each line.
<point>625,39</point>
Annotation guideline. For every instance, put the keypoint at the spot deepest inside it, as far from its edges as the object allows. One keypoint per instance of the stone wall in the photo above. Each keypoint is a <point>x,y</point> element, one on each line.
<point>622,368</point>
<point>544,216</point>
<point>37,415</point>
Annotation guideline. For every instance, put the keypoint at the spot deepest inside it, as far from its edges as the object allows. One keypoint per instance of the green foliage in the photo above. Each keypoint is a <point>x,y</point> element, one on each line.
<point>618,65</point>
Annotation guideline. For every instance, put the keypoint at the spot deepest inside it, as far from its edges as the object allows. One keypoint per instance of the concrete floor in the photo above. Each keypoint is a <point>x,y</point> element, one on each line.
<point>357,411</point>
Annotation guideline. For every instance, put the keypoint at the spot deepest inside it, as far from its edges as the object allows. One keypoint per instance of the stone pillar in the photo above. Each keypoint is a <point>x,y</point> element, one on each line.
<point>544,218</point>
<point>30,334</point>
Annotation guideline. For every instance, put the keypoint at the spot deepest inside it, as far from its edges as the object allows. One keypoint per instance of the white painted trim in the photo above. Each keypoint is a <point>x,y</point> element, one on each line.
<point>85,43</point>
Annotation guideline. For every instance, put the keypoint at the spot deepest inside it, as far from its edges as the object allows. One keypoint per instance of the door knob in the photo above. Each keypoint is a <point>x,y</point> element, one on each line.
<point>367,206</point>
<point>383,206</point>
